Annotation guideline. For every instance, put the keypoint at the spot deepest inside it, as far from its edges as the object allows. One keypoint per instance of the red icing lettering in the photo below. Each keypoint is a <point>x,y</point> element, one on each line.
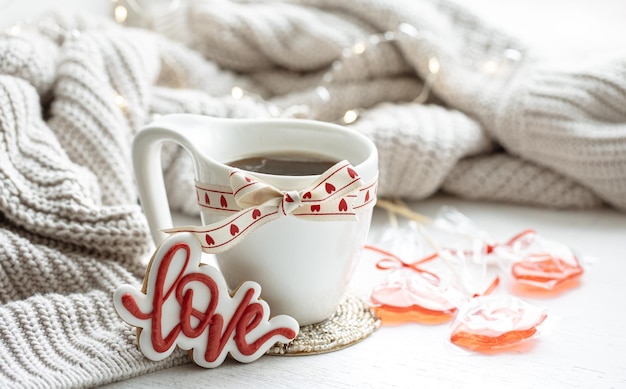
<point>174,294</point>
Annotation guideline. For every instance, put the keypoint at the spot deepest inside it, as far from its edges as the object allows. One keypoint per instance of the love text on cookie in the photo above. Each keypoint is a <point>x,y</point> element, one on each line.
<point>186,304</point>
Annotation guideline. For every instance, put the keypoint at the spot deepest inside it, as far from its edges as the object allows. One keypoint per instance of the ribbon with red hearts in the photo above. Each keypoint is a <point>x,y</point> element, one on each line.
<point>250,203</point>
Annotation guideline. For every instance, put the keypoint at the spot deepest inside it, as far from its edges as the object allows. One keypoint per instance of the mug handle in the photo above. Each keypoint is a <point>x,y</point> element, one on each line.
<point>146,156</point>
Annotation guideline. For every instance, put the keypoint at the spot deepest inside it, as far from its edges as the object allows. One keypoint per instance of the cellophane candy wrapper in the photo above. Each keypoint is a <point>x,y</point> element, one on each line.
<point>529,258</point>
<point>429,288</point>
<point>496,323</point>
<point>413,294</point>
<point>409,290</point>
<point>538,262</point>
<point>464,249</point>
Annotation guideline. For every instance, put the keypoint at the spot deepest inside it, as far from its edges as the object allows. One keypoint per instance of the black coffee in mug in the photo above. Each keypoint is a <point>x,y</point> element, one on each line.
<point>285,164</point>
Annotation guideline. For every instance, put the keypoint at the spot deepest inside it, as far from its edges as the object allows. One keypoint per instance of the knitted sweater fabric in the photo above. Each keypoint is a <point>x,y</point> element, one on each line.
<point>74,89</point>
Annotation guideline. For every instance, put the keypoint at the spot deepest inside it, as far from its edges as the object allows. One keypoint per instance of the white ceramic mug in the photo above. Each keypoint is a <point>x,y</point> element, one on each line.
<point>303,266</point>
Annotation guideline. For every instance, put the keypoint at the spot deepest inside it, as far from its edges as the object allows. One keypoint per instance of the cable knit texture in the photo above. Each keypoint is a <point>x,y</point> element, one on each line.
<point>499,124</point>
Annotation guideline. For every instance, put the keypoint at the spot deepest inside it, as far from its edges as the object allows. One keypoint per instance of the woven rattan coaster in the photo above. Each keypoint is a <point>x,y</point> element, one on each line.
<point>352,322</point>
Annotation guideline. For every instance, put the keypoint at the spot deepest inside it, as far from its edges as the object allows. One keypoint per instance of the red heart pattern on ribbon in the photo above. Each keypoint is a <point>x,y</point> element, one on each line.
<point>250,203</point>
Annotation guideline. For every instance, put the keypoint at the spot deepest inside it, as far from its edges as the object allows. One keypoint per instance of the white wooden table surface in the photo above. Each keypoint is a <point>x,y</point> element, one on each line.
<point>584,347</point>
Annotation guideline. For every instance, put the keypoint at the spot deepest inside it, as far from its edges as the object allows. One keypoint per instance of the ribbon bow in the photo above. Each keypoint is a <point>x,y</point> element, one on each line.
<point>334,195</point>
<point>393,262</point>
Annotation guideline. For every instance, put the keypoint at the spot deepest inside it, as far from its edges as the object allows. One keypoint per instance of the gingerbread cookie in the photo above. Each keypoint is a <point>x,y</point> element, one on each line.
<point>187,304</point>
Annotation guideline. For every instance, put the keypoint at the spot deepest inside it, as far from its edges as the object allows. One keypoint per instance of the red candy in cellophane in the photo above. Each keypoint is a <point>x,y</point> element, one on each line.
<point>431,295</point>
<point>412,297</point>
<point>496,323</point>
<point>411,292</point>
<point>538,262</point>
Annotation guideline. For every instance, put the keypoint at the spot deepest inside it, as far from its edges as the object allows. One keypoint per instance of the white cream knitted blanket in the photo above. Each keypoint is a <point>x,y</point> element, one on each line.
<point>499,124</point>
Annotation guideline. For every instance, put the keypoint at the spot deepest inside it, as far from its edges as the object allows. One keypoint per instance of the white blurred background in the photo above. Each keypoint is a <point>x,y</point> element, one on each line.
<point>14,11</point>
<point>559,27</point>
<point>556,27</point>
